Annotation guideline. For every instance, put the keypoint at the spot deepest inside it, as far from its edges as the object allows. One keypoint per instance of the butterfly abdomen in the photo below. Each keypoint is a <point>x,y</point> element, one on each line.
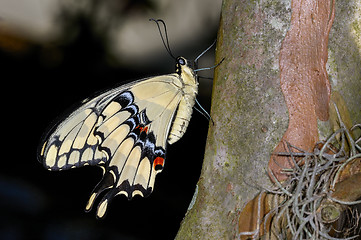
<point>184,113</point>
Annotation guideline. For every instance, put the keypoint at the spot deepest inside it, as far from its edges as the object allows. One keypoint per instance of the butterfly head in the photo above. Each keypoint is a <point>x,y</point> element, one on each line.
<point>184,68</point>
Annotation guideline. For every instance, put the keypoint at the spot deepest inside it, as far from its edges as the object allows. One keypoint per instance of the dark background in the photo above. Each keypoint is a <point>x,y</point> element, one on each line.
<point>40,82</point>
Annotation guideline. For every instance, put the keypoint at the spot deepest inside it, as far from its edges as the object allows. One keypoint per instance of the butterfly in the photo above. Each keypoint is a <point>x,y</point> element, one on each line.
<point>125,131</point>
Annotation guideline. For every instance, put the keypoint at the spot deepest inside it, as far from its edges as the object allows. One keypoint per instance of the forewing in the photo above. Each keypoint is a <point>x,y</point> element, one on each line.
<point>73,142</point>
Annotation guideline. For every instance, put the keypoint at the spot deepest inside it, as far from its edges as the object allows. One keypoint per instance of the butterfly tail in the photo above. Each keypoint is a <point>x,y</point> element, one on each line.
<point>107,182</point>
<point>103,205</point>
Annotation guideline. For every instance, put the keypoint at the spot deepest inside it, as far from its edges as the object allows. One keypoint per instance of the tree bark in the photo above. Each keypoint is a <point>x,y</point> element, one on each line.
<point>249,110</point>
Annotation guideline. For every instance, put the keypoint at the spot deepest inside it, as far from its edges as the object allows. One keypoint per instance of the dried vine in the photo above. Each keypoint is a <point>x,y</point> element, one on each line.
<point>305,206</point>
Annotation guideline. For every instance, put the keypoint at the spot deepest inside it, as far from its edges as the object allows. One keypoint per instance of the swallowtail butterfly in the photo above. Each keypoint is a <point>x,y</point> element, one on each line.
<point>125,131</point>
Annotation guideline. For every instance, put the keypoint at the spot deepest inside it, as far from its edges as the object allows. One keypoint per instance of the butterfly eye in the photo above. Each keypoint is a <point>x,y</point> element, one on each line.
<point>181,61</point>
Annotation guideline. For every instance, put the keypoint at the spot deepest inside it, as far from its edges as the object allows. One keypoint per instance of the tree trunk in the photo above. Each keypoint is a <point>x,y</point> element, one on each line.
<point>249,110</point>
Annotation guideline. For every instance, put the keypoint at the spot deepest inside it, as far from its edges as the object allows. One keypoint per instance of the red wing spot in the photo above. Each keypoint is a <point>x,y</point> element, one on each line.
<point>158,163</point>
<point>142,129</point>
<point>145,129</point>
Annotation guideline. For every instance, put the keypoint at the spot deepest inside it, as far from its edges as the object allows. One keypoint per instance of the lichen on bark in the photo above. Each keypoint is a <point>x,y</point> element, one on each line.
<point>247,116</point>
<point>344,63</point>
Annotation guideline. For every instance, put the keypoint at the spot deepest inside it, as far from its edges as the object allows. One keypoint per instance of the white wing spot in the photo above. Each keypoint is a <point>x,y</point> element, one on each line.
<point>51,156</point>
<point>74,157</point>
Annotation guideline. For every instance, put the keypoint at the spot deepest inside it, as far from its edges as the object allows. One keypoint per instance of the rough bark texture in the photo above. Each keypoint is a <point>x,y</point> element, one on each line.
<point>249,111</point>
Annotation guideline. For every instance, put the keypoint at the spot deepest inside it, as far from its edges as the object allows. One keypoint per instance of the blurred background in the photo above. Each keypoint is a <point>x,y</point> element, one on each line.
<point>54,54</point>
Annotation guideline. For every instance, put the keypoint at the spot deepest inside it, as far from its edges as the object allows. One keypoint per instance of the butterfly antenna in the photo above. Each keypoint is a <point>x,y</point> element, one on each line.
<point>166,41</point>
<point>203,112</point>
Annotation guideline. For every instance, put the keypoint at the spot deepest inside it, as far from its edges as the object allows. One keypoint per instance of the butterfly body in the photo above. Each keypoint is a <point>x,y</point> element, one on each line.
<point>125,131</point>
<point>189,90</point>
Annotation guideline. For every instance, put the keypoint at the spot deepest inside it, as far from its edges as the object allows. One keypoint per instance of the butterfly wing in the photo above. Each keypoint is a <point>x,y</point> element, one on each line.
<point>124,131</point>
